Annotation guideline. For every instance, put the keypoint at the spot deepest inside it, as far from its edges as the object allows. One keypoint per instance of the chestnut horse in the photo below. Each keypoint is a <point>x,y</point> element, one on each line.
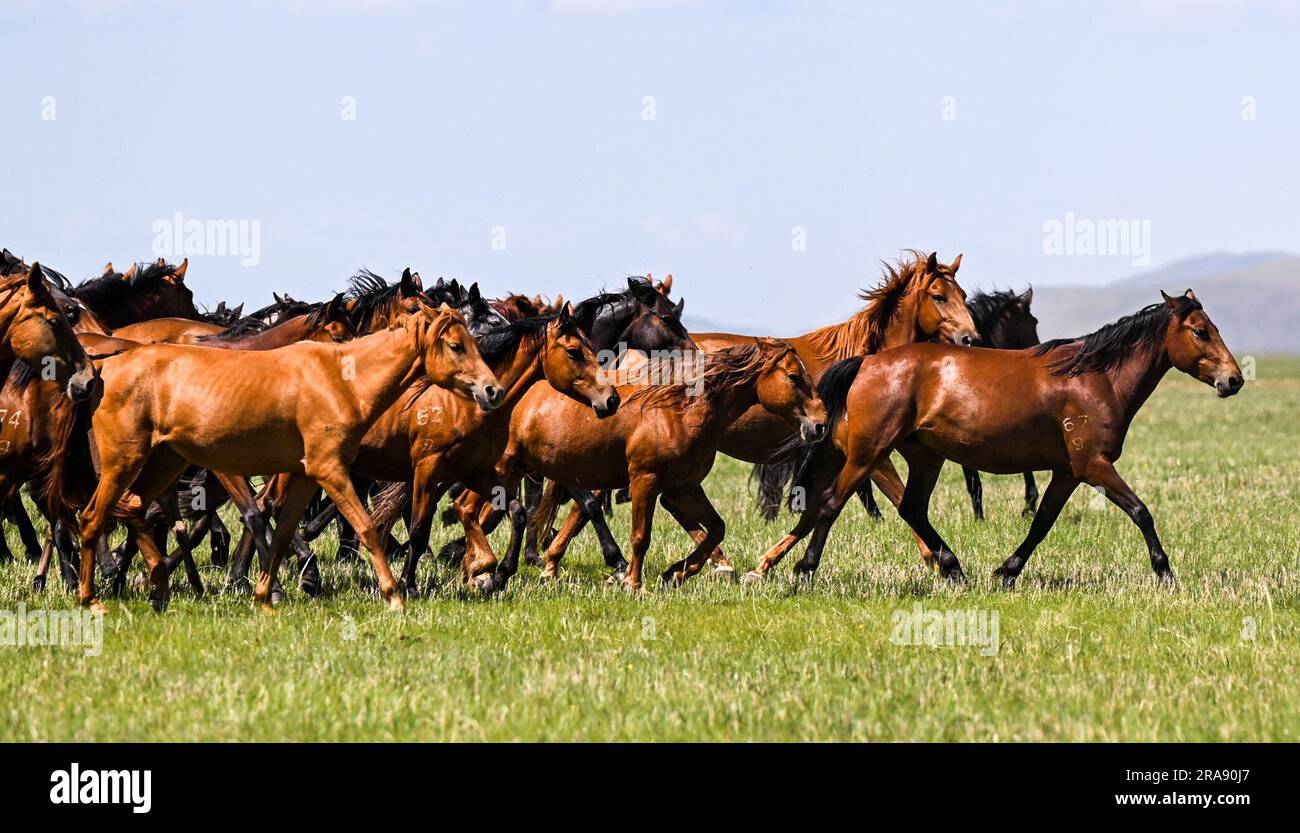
<point>661,443</point>
<point>300,409</point>
<point>433,439</point>
<point>1064,406</point>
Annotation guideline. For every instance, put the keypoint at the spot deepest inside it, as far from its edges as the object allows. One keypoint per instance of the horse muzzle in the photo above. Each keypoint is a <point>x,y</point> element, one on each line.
<point>1229,386</point>
<point>489,397</point>
<point>81,385</point>
<point>608,407</point>
<point>812,432</point>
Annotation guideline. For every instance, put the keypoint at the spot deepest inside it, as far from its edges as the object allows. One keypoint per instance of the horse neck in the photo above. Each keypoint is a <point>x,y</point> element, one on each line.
<point>391,361</point>
<point>7,313</point>
<point>524,371</point>
<point>903,326</point>
<point>1135,378</point>
<point>728,404</point>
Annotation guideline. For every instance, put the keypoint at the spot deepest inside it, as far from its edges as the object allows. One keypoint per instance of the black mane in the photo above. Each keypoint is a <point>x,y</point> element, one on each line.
<point>987,308</point>
<point>586,312</point>
<point>110,288</point>
<point>255,323</point>
<point>1113,343</point>
<point>503,341</point>
<point>370,293</point>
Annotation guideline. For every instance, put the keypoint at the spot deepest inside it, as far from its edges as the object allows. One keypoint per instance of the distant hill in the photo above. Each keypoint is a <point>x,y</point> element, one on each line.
<point>1254,298</point>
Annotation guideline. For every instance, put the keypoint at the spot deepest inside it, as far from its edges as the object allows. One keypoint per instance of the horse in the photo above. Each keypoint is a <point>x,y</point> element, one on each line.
<point>637,320</point>
<point>661,443</point>
<point>1004,322</point>
<point>1064,406</point>
<point>300,409</point>
<point>918,299</point>
<point>153,290</point>
<point>432,439</point>
<point>33,329</point>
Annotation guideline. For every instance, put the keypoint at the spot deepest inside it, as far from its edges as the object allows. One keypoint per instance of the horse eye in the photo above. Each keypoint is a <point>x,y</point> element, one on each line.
<point>939,299</point>
<point>1201,334</point>
<point>794,378</point>
<point>456,346</point>
<point>575,354</point>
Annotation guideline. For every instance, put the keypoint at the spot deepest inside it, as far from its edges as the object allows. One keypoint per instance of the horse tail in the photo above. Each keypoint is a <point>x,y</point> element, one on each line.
<point>544,516</point>
<point>833,390</point>
<point>387,504</point>
<point>65,471</point>
<point>771,478</point>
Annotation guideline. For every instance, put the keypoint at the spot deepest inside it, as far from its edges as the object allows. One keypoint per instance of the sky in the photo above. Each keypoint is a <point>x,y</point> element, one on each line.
<point>767,154</point>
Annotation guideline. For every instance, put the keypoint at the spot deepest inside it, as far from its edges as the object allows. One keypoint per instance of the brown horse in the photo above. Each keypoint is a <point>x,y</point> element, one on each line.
<point>1064,406</point>
<point>300,409</point>
<point>918,300</point>
<point>33,329</point>
<point>153,290</point>
<point>661,443</point>
<point>434,439</point>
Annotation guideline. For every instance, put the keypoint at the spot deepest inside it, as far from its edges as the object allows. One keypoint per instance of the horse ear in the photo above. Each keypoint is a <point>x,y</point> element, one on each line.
<point>160,262</point>
<point>35,278</point>
<point>474,296</point>
<point>955,264</point>
<point>1027,298</point>
<point>566,315</point>
<point>1191,296</point>
<point>179,274</point>
<point>238,311</point>
<point>334,309</point>
<point>108,269</point>
<point>1170,301</point>
<point>407,286</point>
<point>129,274</point>
<point>559,301</point>
<point>667,286</point>
<point>932,264</point>
<point>681,305</point>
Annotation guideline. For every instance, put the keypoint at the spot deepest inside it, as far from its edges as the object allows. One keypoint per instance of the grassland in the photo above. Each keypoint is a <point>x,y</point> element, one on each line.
<point>1090,648</point>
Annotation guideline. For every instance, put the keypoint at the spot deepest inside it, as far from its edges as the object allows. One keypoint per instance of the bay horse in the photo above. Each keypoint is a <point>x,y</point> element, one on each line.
<point>661,443</point>
<point>918,299</point>
<point>33,329</point>
<point>1064,406</point>
<point>152,290</point>
<point>300,409</point>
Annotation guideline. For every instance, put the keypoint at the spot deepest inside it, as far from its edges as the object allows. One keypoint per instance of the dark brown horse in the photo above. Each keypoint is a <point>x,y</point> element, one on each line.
<point>153,290</point>
<point>1064,406</point>
<point>300,409</point>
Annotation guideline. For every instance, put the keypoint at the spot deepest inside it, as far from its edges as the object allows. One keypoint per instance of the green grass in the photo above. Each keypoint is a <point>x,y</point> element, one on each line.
<point>1090,647</point>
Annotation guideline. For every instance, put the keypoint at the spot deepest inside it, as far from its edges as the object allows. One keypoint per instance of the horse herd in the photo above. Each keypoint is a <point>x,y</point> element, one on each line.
<point>123,403</point>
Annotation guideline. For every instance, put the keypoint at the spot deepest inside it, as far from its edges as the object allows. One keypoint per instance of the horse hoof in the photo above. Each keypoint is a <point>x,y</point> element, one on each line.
<point>616,577</point>
<point>673,577</point>
<point>753,577</point>
<point>97,607</point>
<point>158,603</point>
<point>1167,578</point>
<point>277,595</point>
<point>266,608</point>
<point>395,603</point>
<point>38,584</point>
<point>724,571</point>
<point>533,559</point>
<point>1029,512</point>
<point>1008,577</point>
<point>486,583</point>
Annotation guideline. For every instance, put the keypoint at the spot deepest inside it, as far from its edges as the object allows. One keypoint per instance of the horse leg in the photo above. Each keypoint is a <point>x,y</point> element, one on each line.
<point>320,522</point>
<point>592,505</point>
<point>690,522</point>
<point>826,470</point>
<point>424,502</point>
<point>923,467</point>
<point>1031,495</point>
<point>1059,489</point>
<point>645,490</point>
<point>891,485</point>
<point>295,494</point>
<point>26,532</point>
<point>569,530</point>
<point>518,516</point>
<point>479,564</point>
<point>1101,473</point>
<point>242,495</point>
<point>868,497</point>
<point>117,474</point>
<point>338,485</point>
<point>693,510</point>
<point>976,490</point>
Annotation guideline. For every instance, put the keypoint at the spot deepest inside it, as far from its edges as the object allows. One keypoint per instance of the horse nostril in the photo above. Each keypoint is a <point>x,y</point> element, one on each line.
<point>1235,382</point>
<point>819,429</point>
<point>613,402</point>
<point>493,393</point>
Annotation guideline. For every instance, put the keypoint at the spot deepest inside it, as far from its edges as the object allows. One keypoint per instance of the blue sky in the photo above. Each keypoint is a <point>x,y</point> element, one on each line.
<point>524,123</point>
